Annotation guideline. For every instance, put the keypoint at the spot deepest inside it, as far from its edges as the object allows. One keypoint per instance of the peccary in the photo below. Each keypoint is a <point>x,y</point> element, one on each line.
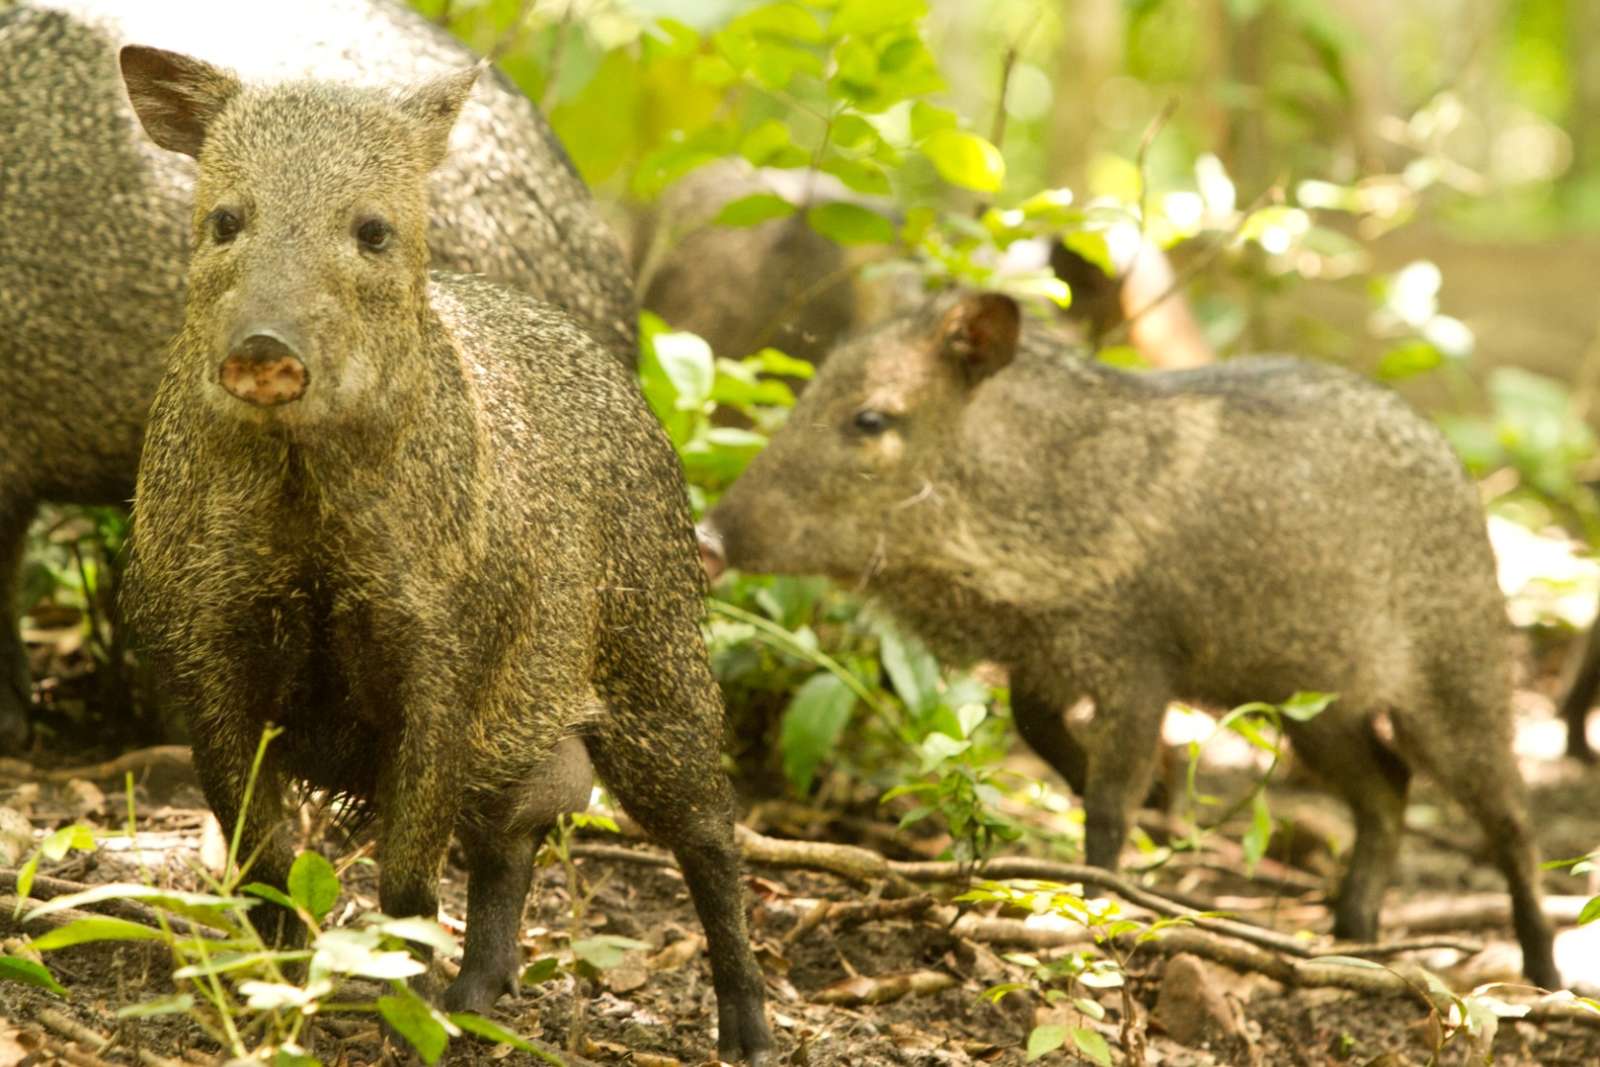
<point>425,524</point>
<point>94,227</point>
<point>1224,534</point>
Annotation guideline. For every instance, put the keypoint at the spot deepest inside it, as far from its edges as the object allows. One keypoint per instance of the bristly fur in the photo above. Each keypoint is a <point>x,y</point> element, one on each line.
<point>457,571</point>
<point>94,226</point>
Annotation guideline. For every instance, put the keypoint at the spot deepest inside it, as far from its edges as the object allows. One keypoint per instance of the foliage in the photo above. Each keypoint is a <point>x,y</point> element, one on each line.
<point>1072,977</point>
<point>252,997</point>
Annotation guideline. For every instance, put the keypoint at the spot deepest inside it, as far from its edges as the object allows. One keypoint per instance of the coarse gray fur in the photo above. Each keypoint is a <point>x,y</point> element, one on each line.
<point>1233,533</point>
<point>456,568</point>
<point>94,222</point>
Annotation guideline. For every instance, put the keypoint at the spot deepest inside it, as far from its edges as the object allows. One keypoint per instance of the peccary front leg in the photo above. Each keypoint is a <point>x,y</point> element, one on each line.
<point>16,689</point>
<point>660,758</point>
<point>1124,747</point>
<point>419,794</point>
<point>223,754</point>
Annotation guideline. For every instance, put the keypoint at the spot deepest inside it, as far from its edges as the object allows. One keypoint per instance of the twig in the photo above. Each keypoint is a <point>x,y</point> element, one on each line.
<point>141,760</point>
<point>75,1031</point>
<point>558,49</point>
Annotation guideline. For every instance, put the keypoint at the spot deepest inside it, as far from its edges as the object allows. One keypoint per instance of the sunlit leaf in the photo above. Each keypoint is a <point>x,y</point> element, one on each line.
<point>411,1018</point>
<point>313,884</point>
<point>99,928</point>
<point>1045,1039</point>
<point>13,969</point>
<point>850,224</point>
<point>965,159</point>
<point>754,209</point>
<point>1092,1045</point>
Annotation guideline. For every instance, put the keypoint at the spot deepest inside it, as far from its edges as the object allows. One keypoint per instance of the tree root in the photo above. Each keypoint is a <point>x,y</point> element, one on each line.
<point>73,1030</point>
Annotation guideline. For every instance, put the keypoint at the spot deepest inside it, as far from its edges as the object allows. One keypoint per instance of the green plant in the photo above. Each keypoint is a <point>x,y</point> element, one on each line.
<point>1064,979</point>
<point>250,997</point>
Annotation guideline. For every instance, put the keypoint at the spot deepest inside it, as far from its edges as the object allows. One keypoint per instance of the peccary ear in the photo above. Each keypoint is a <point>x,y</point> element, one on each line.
<point>434,105</point>
<point>175,96</point>
<point>980,333</point>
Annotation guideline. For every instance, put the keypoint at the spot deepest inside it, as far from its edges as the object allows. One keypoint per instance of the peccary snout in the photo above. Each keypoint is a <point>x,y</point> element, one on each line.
<point>263,369</point>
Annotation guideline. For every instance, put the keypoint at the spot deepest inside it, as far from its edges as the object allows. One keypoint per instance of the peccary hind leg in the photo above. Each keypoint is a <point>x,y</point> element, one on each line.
<point>1126,747</point>
<point>658,754</point>
<point>500,866</point>
<point>1043,725</point>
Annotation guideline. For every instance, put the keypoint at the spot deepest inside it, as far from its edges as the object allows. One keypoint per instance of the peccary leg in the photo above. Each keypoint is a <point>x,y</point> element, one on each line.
<point>418,792</point>
<point>500,866</point>
<point>16,691</point>
<point>1580,698</point>
<point>661,761</point>
<point>222,760</point>
<point>1340,746</point>
<point>499,871</point>
<point>1043,725</point>
<point>1483,779</point>
<point>1125,748</point>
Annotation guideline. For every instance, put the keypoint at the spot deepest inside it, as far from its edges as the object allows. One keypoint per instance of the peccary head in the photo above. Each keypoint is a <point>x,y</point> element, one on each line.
<point>858,471</point>
<point>308,270</point>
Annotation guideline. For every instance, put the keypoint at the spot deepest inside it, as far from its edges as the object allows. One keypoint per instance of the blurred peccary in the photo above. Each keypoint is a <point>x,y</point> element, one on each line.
<point>742,288</point>
<point>781,283</point>
<point>425,524</point>
<point>1580,698</point>
<point>1232,533</point>
<point>94,228</point>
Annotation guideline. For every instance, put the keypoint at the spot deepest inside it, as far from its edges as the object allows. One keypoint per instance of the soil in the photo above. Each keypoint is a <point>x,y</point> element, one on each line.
<point>826,981</point>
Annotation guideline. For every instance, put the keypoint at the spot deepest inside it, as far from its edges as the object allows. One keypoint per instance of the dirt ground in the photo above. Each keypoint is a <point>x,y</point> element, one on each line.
<point>834,975</point>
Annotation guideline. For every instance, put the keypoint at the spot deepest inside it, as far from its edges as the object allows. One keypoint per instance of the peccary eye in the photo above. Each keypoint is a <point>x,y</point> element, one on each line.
<point>871,422</point>
<point>374,234</point>
<point>225,225</point>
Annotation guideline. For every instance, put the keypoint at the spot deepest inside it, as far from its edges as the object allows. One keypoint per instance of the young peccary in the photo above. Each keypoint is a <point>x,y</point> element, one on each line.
<point>1220,535</point>
<point>94,228</point>
<point>425,524</point>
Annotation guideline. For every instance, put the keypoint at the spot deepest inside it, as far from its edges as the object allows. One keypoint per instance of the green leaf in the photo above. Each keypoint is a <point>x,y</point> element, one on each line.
<point>753,209</point>
<point>812,724</point>
<point>928,118</point>
<point>1408,359</point>
<point>312,883</point>
<point>541,970</point>
<point>1303,707</point>
<point>779,20</point>
<point>285,1058</point>
<point>99,928</point>
<point>267,892</point>
<point>14,969</point>
<point>912,669</point>
<point>179,1004</point>
<point>1590,912</point>
<point>873,16</point>
<point>687,362</point>
<point>493,1031</point>
<point>1092,1045</point>
<point>1045,1039</point>
<point>605,951</point>
<point>1259,835</point>
<point>411,1019</point>
<point>965,159</point>
<point>850,224</point>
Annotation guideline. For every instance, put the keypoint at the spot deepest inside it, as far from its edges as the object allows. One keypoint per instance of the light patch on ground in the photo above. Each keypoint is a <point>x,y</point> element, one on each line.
<point>1546,576</point>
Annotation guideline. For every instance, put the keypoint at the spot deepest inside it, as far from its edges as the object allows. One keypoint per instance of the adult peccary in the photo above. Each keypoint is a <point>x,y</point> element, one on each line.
<point>94,227</point>
<point>426,525</point>
<point>1221,535</point>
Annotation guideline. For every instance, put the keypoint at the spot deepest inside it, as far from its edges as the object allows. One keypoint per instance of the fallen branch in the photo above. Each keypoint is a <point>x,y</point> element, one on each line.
<point>844,913</point>
<point>75,1031</point>
<point>881,989</point>
<point>157,756</point>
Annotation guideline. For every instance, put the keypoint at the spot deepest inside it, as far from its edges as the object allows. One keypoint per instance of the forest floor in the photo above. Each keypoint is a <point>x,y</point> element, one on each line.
<point>870,962</point>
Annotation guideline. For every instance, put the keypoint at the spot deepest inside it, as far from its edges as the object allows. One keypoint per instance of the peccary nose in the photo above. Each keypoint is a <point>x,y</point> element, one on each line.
<point>712,557</point>
<point>263,370</point>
